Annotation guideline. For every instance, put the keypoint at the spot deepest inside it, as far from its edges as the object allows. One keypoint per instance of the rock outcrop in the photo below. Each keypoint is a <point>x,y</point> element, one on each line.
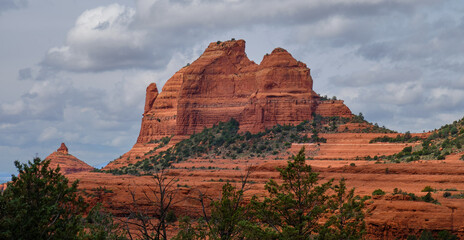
<point>67,162</point>
<point>63,149</point>
<point>223,84</point>
<point>333,108</point>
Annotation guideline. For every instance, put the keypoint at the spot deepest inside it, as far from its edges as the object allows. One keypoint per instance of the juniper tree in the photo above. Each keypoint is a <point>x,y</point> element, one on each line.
<point>293,209</point>
<point>346,215</point>
<point>40,204</point>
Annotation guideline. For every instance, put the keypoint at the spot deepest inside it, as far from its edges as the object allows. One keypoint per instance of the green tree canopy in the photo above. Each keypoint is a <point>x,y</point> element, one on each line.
<point>293,208</point>
<point>40,204</point>
<point>346,215</point>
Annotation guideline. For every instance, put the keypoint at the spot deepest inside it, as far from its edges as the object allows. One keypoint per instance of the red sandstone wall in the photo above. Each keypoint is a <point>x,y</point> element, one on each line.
<point>223,84</point>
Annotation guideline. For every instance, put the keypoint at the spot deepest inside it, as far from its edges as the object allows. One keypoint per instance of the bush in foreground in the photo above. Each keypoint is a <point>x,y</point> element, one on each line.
<point>41,204</point>
<point>296,208</point>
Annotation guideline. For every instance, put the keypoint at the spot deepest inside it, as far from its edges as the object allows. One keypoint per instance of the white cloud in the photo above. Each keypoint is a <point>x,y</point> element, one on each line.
<point>399,62</point>
<point>53,133</point>
<point>378,75</point>
<point>331,27</point>
<point>101,39</point>
<point>116,37</point>
<point>13,108</point>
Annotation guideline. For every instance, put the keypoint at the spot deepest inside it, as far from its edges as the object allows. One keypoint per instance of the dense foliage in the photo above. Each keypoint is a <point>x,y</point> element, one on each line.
<point>442,142</point>
<point>400,138</point>
<point>41,204</point>
<point>347,216</point>
<point>293,209</point>
<point>224,140</point>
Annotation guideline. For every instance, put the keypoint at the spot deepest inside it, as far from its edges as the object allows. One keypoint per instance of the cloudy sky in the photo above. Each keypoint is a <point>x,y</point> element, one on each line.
<point>75,71</point>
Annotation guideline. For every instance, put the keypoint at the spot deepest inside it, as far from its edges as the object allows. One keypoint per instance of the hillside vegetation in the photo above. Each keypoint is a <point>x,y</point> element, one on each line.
<point>225,141</point>
<point>442,142</point>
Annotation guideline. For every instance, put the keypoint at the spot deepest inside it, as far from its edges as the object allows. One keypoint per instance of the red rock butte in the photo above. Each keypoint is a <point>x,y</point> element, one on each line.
<point>223,84</point>
<point>67,162</point>
<point>63,149</point>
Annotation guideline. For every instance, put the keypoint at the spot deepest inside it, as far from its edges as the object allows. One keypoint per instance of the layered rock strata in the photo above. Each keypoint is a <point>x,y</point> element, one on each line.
<point>67,162</point>
<point>223,84</point>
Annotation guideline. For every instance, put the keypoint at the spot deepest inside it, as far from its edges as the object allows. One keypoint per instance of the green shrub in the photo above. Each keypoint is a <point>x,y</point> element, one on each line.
<point>407,149</point>
<point>378,192</point>
<point>171,217</point>
<point>428,189</point>
<point>428,197</point>
<point>426,235</point>
<point>445,235</point>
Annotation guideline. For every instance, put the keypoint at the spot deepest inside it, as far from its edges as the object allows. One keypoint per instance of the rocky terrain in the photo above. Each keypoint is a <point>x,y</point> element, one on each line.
<point>223,84</point>
<point>390,216</point>
<point>67,162</point>
<point>276,113</point>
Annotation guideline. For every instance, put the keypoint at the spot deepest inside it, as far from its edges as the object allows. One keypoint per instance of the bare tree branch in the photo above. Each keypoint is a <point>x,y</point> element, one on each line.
<point>150,219</point>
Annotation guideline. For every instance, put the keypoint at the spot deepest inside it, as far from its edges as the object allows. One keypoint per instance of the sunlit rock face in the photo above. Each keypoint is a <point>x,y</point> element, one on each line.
<point>223,84</point>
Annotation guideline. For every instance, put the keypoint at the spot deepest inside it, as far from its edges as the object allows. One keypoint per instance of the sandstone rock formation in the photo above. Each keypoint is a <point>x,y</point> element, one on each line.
<point>223,83</point>
<point>63,149</point>
<point>67,162</point>
<point>333,108</point>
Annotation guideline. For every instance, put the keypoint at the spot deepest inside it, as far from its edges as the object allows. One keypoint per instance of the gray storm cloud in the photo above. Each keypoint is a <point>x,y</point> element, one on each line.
<point>397,61</point>
<point>115,36</point>
<point>6,5</point>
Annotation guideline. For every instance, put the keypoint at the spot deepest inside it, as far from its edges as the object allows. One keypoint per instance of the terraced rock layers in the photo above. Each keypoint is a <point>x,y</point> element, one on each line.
<point>67,162</point>
<point>223,84</point>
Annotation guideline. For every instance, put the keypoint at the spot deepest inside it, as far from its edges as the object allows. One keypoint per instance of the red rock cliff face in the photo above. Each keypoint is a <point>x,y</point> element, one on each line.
<point>159,118</point>
<point>216,87</point>
<point>333,108</point>
<point>284,93</point>
<point>223,83</point>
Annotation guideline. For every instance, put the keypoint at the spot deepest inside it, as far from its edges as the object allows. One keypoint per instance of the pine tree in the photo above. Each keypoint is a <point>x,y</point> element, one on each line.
<point>226,214</point>
<point>39,204</point>
<point>346,221</point>
<point>293,209</point>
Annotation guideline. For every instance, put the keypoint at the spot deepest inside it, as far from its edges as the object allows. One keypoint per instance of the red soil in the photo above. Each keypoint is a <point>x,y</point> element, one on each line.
<point>389,217</point>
